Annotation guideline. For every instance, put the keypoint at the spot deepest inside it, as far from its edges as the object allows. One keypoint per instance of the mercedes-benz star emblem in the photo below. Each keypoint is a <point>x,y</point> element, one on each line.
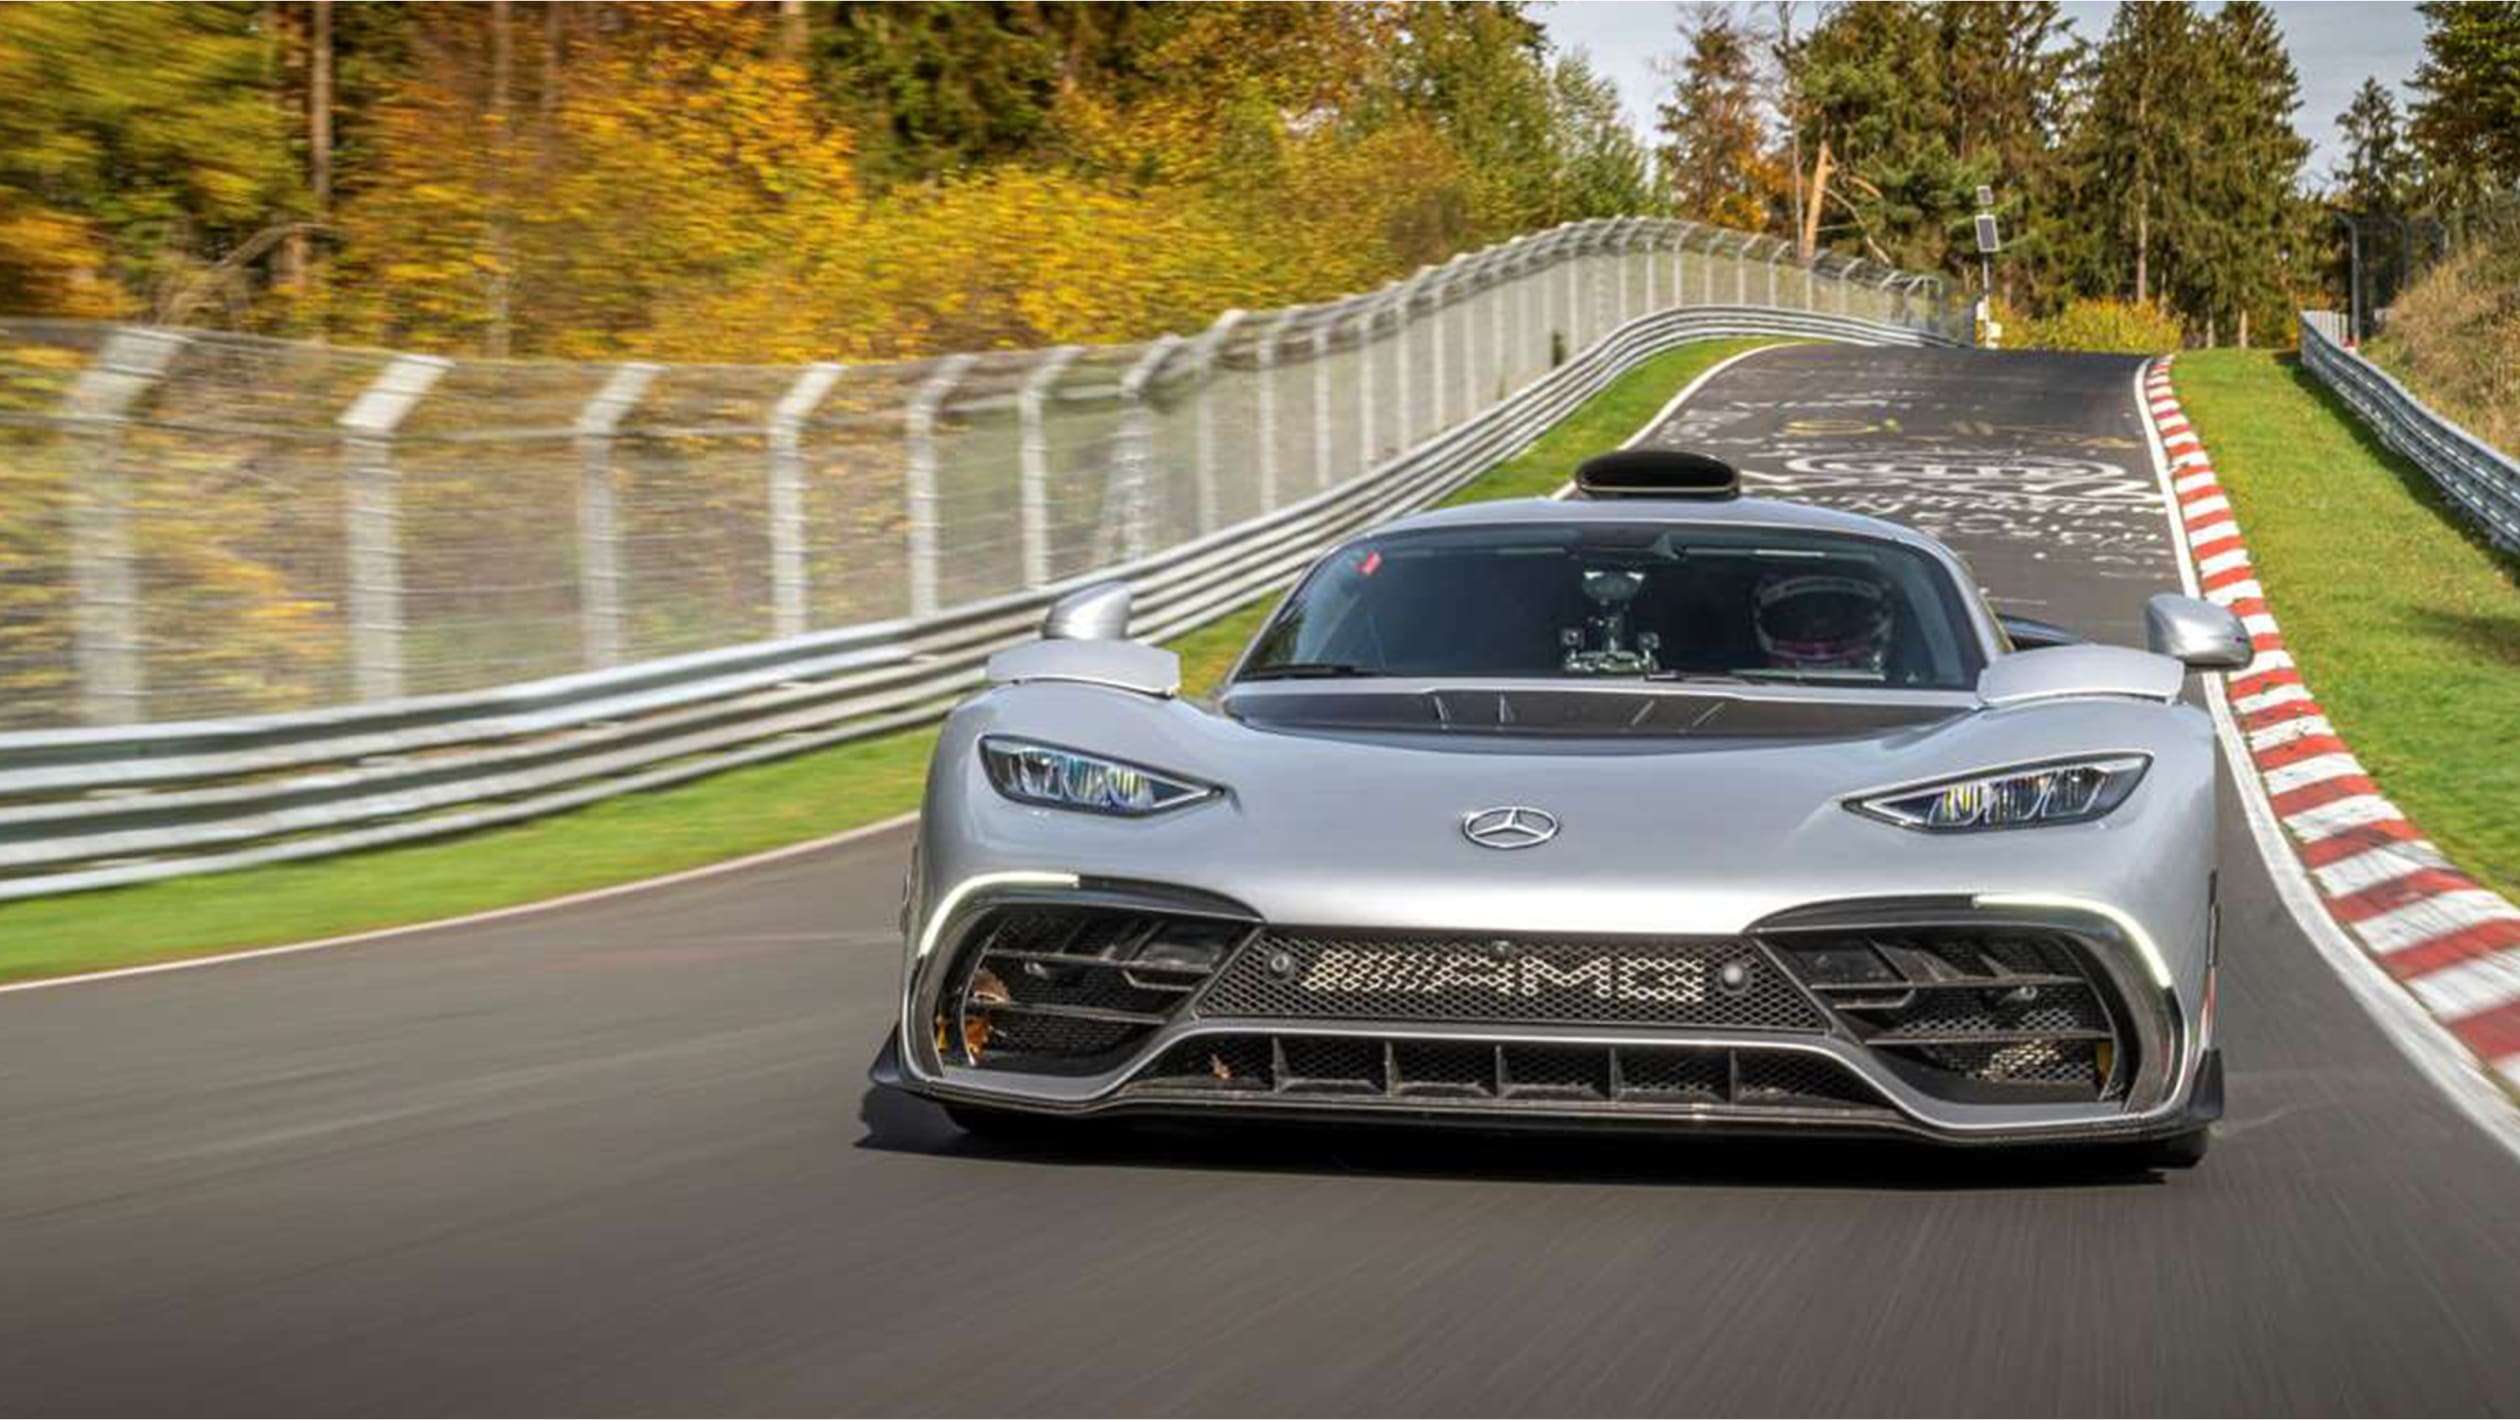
<point>1513,826</point>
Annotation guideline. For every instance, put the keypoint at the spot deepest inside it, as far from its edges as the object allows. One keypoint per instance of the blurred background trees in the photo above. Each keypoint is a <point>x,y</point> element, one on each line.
<point>2154,166</point>
<point>778,181</point>
<point>772,182</point>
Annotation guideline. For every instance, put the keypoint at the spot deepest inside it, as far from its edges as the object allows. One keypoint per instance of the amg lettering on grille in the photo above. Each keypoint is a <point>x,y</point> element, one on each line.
<point>1369,972</point>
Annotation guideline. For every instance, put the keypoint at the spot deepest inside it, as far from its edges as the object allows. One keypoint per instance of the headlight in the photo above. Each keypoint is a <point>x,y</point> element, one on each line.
<point>2070,791</point>
<point>1066,779</point>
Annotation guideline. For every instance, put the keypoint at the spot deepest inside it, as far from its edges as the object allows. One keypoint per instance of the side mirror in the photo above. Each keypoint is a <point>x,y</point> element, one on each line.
<point>2028,633</point>
<point>2204,636</point>
<point>1097,613</point>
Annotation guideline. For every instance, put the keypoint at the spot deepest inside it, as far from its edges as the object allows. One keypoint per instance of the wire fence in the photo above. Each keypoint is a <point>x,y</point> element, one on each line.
<point>197,525</point>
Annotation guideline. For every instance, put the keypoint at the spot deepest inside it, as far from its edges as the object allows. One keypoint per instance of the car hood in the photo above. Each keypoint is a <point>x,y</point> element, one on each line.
<point>1326,821</point>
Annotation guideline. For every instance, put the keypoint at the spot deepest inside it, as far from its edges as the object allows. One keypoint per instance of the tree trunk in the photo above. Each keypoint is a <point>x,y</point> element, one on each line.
<point>502,245</point>
<point>1807,241</point>
<point>2244,327</point>
<point>319,135</point>
<point>2143,242</point>
<point>792,30</point>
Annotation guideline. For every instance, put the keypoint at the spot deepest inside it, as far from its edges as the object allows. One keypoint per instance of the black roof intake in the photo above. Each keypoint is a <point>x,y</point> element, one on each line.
<point>1655,473</point>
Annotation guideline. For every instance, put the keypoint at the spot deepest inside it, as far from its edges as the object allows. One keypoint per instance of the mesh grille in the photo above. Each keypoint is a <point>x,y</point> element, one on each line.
<point>2002,1008</point>
<point>1699,1076</point>
<point>1795,1080</point>
<point>1295,975</point>
<point>1573,1072</point>
<point>1438,1067</point>
<point>2028,1062</point>
<point>1063,989</point>
<point>1436,1073</point>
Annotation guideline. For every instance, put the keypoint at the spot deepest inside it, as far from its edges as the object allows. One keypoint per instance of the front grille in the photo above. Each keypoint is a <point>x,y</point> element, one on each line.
<point>1443,1072</point>
<point>1072,989</point>
<point>1982,1014</point>
<point>1300,974</point>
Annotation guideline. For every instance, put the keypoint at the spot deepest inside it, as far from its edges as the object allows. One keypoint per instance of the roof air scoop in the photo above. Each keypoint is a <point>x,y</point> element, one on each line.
<point>1656,473</point>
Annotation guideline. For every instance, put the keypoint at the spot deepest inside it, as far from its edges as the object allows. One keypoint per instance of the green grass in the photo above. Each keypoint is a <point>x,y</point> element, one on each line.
<point>644,835</point>
<point>2405,624</point>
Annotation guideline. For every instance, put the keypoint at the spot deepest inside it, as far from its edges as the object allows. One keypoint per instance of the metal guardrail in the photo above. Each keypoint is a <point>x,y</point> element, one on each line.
<point>103,806</point>
<point>2482,482</point>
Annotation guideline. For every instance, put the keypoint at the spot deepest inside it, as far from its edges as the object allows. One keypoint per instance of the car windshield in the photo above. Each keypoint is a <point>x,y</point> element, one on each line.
<point>1639,601</point>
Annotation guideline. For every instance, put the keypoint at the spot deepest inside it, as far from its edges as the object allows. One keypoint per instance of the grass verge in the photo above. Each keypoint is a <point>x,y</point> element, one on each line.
<point>2405,624</point>
<point>644,835</point>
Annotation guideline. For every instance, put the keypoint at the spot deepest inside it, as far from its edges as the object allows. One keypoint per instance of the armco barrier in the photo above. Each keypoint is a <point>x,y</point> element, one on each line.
<point>2482,482</point>
<point>96,807</point>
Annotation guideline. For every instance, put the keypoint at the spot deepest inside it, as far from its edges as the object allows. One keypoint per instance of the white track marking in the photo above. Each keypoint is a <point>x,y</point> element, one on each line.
<point>2269,699</point>
<point>2337,815</point>
<point>474,919</point>
<point>2372,867</point>
<point>2439,915</point>
<point>2437,1054</point>
<point>2284,732</point>
<point>1672,405</point>
<point>2317,769</point>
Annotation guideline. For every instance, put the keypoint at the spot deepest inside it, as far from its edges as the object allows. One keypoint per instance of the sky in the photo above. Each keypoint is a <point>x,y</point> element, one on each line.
<point>2334,44</point>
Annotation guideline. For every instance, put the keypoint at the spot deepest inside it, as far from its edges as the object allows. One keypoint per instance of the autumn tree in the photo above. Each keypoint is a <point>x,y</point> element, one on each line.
<point>1715,152</point>
<point>142,163</point>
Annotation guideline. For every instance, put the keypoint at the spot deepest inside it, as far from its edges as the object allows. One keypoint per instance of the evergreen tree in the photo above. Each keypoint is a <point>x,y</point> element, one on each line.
<point>1874,110</point>
<point>2243,164</point>
<point>2379,172</point>
<point>2134,140</point>
<point>1601,167</point>
<point>2014,66</point>
<point>2468,121</point>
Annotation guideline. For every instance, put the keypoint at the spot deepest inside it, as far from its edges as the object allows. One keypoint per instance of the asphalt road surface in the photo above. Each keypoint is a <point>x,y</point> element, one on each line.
<point>621,1157</point>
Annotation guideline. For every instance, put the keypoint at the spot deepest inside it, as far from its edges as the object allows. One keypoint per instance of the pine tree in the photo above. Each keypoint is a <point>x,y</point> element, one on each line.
<point>2379,172</point>
<point>2242,168</point>
<point>2468,120</point>
<point>2135,139</point>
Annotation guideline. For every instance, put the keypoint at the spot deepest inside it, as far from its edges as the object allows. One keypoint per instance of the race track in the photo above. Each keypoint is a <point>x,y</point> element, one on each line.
<point>621,1157</point>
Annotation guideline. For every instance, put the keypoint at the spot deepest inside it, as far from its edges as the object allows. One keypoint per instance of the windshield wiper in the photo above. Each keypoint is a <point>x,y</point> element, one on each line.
<point>1307,670</point>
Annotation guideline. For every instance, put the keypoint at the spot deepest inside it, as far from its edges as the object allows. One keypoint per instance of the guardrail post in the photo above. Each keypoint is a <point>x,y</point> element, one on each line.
<point>1400,360</point>
<point>1500,348</point>
<point>1264,363</point>
<point>600,635</point>
<point>1321,405</point>
<point>1680,263</point>
<point>1527,276</point>
<point>1135,488</point>
<point>1033,477</point>
<point>1571,296</point>
<point>1202,418</point>
<point>919,425</point>
<point>106,626</point>
<point>374,521</point>
<point>1366,316</point>
<point>1624,235</point>
<point>788,586</point>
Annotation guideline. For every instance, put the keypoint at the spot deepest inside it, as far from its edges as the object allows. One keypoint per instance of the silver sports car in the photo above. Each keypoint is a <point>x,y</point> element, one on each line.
<point>1655,806</point>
